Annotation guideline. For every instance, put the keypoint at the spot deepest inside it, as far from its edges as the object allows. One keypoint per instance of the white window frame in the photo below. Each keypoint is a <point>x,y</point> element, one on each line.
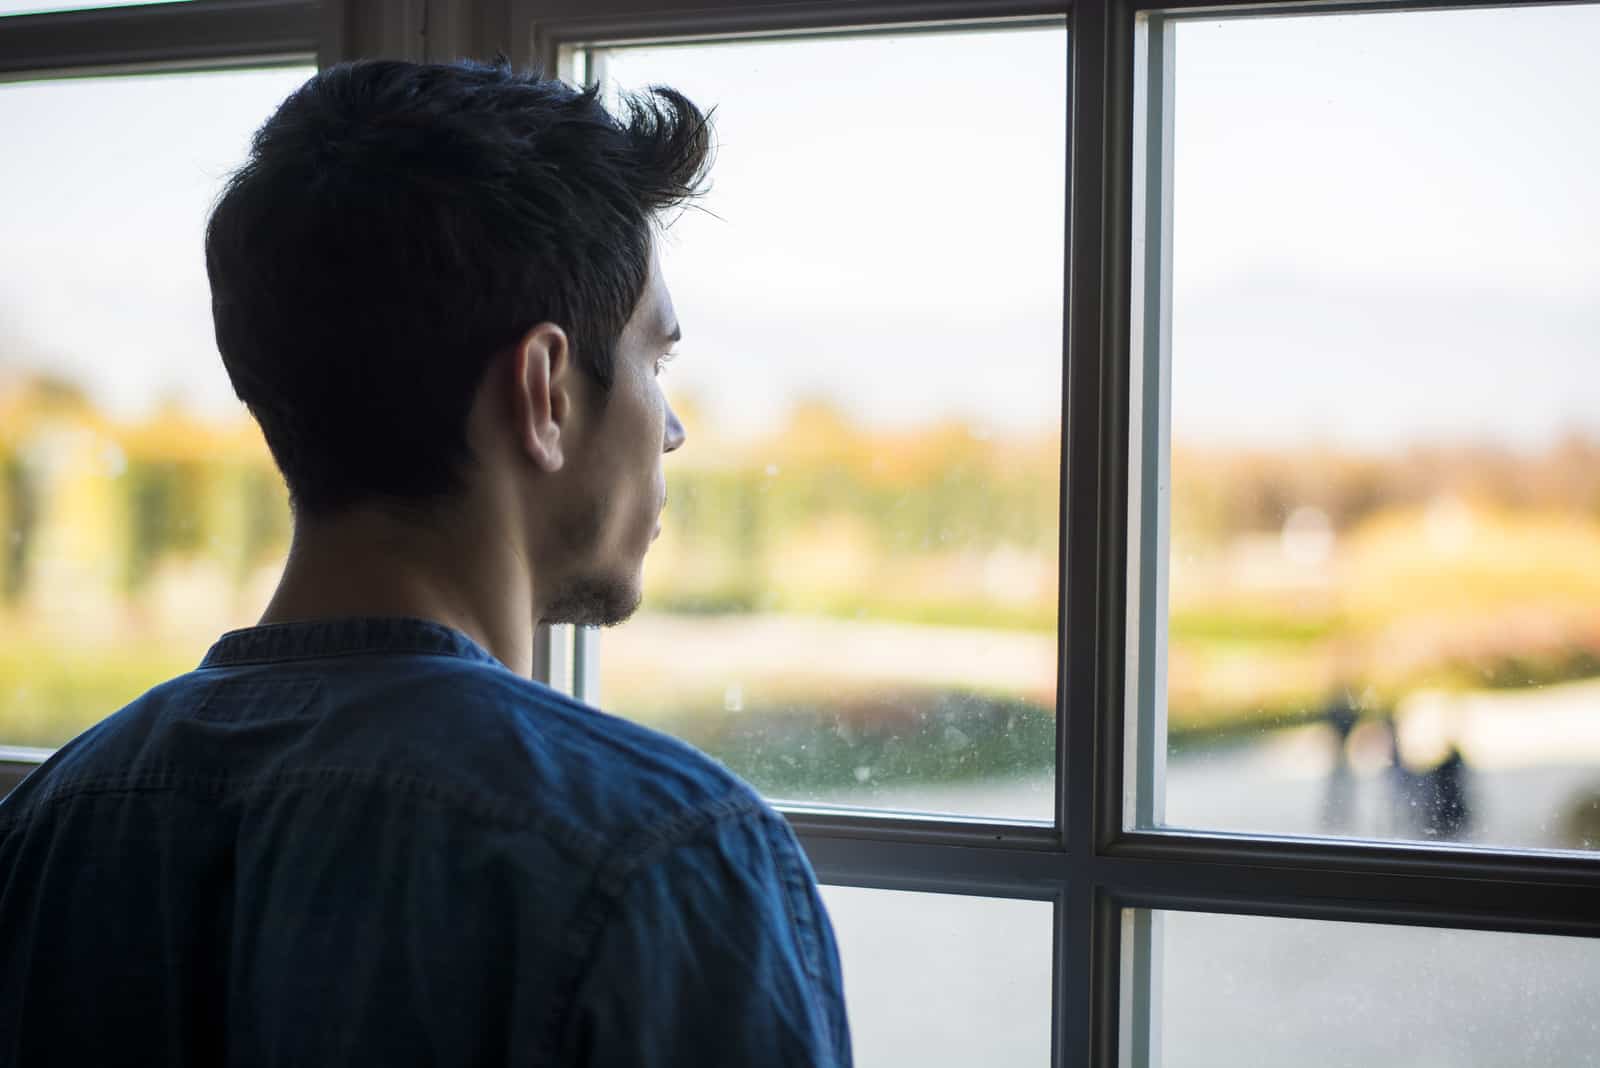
<point>1098,870</point>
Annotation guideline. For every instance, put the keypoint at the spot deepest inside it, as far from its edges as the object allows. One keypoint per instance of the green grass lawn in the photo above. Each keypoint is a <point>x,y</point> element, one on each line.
<point>50,692</point>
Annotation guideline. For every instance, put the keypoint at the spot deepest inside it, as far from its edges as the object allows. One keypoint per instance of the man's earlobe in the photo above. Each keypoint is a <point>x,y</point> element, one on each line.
<point>544,444</point>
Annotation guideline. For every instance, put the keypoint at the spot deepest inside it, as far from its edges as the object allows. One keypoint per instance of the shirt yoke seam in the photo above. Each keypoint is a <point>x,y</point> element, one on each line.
<point>505,813</point>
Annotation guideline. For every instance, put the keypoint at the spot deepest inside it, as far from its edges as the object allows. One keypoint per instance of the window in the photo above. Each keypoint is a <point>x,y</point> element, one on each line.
<point>141,511</point>
<point>980,989</point>
<point>1368,385</point>
<point>862,530</point>
<point>1260,990</point>
<point>1324,387</point>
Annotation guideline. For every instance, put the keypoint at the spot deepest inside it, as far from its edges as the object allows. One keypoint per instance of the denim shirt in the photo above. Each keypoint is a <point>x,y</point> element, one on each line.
<point>366,841</point>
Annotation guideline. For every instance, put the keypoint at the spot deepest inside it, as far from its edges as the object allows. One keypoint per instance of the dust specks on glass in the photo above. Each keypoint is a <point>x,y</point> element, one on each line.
<point>978,959</point>
<point>1367,993</point>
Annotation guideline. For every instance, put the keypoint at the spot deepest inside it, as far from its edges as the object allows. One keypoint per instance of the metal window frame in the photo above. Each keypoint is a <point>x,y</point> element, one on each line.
<point>202,35</point>
<point>1086,863</point>
<point>1093,867</point>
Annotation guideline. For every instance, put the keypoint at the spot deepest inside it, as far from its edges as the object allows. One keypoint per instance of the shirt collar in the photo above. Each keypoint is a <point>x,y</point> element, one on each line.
<point>364,636</point>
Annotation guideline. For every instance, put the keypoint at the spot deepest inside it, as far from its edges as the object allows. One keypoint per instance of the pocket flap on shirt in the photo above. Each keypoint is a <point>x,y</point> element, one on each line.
<point>258,700</point>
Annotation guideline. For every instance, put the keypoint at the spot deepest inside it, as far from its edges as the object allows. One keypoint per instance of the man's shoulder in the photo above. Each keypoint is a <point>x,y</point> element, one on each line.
<point>527,752</point>
<point>499,750</point>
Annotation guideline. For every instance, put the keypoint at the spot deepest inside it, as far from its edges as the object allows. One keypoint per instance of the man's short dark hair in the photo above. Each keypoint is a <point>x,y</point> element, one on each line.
<point>396,224</point>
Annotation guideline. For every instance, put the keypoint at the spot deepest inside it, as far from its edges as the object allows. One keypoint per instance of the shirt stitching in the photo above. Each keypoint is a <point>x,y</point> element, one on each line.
<point>505,813</point>
<point>228,660</point>
<point>314,639</point>
<point>610,884</point>
<point>806,933</point>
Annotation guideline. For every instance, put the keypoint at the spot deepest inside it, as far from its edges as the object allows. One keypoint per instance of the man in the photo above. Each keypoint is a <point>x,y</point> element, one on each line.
<point>358,833</point>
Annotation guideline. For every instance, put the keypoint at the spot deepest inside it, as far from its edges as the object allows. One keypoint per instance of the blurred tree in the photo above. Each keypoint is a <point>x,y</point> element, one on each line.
<point>166,507</point>
<point>21,520</point>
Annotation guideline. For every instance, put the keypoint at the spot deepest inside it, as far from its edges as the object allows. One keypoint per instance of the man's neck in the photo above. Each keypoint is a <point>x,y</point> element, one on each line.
<point>366,563</point>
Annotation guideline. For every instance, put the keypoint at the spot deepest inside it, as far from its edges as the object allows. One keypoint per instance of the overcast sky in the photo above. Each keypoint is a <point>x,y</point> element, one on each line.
<point>1385,227</point>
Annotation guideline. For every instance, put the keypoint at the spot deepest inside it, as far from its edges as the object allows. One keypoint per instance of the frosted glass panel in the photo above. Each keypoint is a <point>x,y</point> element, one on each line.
<point>940,981</point>
<point>1242,991</point>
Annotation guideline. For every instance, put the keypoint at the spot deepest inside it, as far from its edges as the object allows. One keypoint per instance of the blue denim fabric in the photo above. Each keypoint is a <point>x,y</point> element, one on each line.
<point>366,841</point>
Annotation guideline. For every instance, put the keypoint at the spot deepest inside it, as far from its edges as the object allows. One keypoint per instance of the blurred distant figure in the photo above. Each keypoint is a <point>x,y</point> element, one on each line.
<point>1338,804</point>
<point>1435,803</point>
<point>1402,787</point>
<point>1444,791</point>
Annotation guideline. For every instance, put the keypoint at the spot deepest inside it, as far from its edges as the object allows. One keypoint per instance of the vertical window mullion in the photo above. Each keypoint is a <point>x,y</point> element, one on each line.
<point>1150,453</point>
<point>543,653</point>
<point>553,656</point>
<point>1149,517</point>
<point>586,664</point>
<point>1094,517</point>
<point>1139,1031</point>
<point>555,649</point>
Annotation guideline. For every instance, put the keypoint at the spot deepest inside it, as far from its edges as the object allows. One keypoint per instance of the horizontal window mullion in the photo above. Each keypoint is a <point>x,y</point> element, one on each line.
<point>16,764</point>
<point>1201,9</point>
<point>935,867</point>
<point>1366,882</point>
<point>837,821</point>
<point>1407,859</point>
<point>204,33</point>
<point>1567,911</point>
<point>575,22</point>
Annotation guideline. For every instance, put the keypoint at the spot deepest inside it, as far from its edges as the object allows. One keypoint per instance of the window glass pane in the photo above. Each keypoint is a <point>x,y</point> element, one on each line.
<point>978,991</point>
<point>1384,584</point>
<point>1252,990</point>
<point>141,513</point>
<point>853,597</point>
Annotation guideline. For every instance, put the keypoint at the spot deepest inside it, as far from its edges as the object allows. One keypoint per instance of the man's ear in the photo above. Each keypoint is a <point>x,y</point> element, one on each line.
<point>541,393</point>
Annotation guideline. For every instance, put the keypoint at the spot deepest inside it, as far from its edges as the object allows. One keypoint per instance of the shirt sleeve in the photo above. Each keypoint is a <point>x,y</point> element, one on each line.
<point>717,952</point>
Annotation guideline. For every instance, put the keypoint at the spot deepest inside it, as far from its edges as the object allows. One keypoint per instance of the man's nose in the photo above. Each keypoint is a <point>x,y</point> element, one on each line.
<point>676,435</point>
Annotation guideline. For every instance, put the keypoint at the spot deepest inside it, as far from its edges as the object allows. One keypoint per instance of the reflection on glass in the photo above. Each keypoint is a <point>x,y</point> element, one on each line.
<point>853,595</point>
<point>1385,427</point>
<point>977,994</point>
<point>1252,990</point>
<point>140,512</point>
